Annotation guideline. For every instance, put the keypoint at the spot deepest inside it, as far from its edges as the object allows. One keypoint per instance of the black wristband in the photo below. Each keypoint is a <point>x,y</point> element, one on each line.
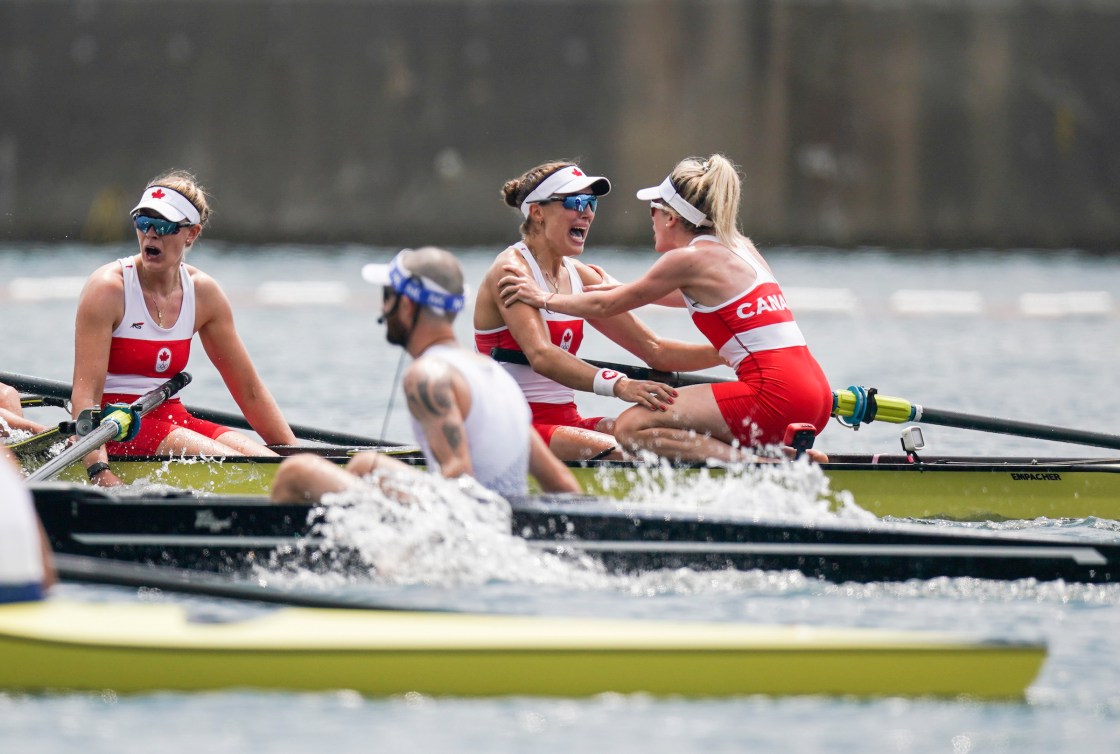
<point>96,468</point>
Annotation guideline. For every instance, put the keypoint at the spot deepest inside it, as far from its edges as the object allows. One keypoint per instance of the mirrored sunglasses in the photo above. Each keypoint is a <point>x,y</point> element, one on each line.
<point>577,202</point>
<point>159,225</point>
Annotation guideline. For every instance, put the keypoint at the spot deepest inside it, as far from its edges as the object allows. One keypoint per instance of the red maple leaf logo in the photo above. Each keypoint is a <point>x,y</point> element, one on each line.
<point>158,194</point>
<point>575,171</point>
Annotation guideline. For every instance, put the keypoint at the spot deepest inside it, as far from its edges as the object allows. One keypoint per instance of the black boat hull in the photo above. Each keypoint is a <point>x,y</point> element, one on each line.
<point>231,534</point>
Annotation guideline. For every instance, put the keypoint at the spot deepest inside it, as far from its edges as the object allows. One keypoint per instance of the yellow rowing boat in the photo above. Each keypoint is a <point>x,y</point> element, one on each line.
<point>141,647</point>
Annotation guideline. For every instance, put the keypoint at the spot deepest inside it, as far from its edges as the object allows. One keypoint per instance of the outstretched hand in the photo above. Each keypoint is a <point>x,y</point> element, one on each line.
<point>518,285</point>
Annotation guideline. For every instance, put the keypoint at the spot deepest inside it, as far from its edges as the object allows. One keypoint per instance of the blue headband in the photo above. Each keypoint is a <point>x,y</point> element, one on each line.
<point>422,290</point>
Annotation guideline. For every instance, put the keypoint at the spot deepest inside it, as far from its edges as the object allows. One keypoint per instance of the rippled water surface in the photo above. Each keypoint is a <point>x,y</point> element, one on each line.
<point>1023,335</point>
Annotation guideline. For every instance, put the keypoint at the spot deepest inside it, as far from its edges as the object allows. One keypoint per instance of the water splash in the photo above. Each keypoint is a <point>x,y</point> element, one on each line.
<point>783,491</point>
<point>424,529</point>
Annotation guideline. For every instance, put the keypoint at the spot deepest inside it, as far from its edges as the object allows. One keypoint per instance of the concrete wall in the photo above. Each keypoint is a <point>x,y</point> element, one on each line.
<point>904,123</point>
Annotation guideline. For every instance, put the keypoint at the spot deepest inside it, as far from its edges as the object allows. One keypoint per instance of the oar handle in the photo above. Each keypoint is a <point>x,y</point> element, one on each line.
<point>673,379</point>
<point>109,428</point>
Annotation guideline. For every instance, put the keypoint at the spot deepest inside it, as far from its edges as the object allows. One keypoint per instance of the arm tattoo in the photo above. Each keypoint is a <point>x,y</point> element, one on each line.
<point>453,433</point>
<point>433,398</point>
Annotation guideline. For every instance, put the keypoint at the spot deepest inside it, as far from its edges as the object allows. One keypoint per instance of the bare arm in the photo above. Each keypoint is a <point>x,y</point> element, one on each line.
<point>439,399</point>
<point>531,334</point>
<point>227,352</point>
<point>674,299</point>
<point>659,353</point>
<point>672,271</point>
<point>18,421</point>
<point>549,471</point>
<point>100,310</point>
<point>636,337</point>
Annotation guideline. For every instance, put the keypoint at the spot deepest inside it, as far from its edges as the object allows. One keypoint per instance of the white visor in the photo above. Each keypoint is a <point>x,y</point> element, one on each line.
<point>169,203</point>
<point>419,288</point>
<point>569,180</point>
<point>667,193</point>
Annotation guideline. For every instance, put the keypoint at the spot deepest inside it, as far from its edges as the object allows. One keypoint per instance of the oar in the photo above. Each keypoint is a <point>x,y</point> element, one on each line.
<point>54,388</point>
<point>673,379</point>
<point>31,448</point>
<point>114,423</point>
<point>858,405</point>
<point>84,569</point>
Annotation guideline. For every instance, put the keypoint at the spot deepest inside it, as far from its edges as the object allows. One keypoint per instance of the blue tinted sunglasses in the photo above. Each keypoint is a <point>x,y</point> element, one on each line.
<point>577,202</point>
<point>162,227</point>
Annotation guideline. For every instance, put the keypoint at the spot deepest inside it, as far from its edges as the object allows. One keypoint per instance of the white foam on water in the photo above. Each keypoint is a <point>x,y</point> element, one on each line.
<point>782,491</point>
<point>446,533</point>
<point>424,529</point>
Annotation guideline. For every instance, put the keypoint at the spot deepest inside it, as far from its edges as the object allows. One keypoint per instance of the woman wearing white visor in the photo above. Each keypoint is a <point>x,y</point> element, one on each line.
<point>735,302</point>
<point>558,201</point>
<point>136,319</point>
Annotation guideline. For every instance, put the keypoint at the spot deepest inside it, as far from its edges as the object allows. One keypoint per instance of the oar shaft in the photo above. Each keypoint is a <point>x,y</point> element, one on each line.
<point>56,389</point>
<point>876,407</point>
<point>108,429</point>
<point>301,431</point>
<point>1018,428</point>
<point>673,379</point>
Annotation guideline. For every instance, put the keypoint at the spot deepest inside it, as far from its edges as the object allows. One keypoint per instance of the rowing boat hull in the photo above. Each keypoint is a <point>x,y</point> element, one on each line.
<point>134,647</point>
<point>224,533</point>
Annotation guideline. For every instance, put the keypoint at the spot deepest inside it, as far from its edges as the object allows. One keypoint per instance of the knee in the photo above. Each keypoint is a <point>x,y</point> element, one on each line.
<point>628,428</point>
<point>294,479</point>
<point>364,463</point>
<point>9,398</point>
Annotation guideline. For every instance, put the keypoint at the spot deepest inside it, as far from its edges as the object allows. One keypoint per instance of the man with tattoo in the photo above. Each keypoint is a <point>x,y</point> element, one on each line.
<point>468,415</point>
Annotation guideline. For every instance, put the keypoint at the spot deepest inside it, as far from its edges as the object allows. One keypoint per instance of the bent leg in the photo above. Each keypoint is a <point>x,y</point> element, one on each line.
<point>305,478</point>
<point>368,461</point>
<point>244,445</point>
<point>693,429</point>
<point>183,441</point>
<point>577,444</point>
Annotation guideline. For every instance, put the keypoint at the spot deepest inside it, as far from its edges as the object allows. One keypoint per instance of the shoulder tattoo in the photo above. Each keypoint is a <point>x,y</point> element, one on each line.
<point>430,397</point>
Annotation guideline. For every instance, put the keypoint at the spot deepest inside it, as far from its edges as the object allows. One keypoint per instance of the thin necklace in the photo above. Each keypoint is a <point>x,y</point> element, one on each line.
<point>548,278</point>
<point>158,305</point>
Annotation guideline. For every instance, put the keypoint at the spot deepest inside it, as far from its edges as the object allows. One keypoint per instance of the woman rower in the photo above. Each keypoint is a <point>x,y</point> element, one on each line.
<point>558,201</point>
<point>136,318</point>
<point>737,304</point>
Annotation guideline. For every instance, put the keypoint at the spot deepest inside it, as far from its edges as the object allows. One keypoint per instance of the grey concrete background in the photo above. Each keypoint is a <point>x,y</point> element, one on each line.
<point>920,123</point>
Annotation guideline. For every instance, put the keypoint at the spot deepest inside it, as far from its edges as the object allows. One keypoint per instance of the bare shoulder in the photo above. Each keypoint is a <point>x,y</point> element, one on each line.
<point>108,274</point>
<point>427,369</point>
<point>210,300</point>
<point>106,283</point>
<point>589,274</point>
<point>203,283</point>
<point>429,386</point>
<point>509,255</point>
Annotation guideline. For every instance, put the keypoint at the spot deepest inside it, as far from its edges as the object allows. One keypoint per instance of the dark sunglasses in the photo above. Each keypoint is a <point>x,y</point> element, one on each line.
<point>162,227</point>
<point>577,202</point>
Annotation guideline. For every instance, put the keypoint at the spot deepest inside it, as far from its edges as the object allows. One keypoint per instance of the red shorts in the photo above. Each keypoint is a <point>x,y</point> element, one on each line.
<point>548,417</point>
<point>776,390</point>
<point>157,425</point>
